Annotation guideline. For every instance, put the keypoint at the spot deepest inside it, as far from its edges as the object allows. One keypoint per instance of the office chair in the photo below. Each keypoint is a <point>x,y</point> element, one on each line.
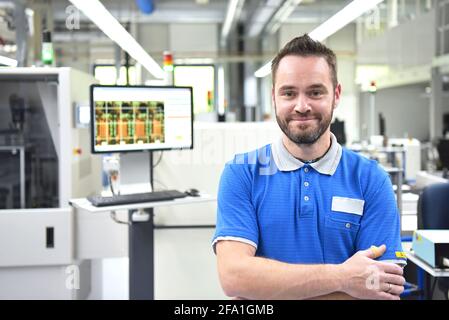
<point>433,213</point>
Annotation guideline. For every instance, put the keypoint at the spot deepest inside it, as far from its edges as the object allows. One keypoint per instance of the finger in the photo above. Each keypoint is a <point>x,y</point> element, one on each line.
<point>391,288</point>
<point>391,268</point>
<point>378,251</point>
<point>374,252</point>
<point>393,279</point>
<point>396,290</point>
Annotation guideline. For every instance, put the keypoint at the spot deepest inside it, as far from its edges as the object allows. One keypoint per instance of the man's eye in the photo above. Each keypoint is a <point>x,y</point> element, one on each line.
<point>288,93</point>
<point>316,93</point>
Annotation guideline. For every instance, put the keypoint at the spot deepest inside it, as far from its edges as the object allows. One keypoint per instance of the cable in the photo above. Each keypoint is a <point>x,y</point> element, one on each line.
<point>110,185</point>
<point>158,160</point>
<point>113,216</point>
<point>112,188</point>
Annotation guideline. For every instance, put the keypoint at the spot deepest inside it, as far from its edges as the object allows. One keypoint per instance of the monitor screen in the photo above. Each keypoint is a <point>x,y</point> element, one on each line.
<point>138,118</point>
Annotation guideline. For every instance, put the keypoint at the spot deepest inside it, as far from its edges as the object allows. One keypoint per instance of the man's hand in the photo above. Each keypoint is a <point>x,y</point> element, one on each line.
<point>365,278</point>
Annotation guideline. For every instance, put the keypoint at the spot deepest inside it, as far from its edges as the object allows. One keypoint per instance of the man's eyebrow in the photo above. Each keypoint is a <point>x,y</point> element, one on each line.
<point>317,86</point>
<point>286,87</point>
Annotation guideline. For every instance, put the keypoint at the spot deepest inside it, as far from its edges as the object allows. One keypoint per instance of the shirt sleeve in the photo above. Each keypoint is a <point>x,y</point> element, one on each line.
<point>380,223</point>
<point>236,216</point>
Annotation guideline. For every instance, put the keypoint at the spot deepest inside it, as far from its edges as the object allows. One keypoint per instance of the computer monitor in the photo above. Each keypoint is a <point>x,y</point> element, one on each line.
<point>139,118</point>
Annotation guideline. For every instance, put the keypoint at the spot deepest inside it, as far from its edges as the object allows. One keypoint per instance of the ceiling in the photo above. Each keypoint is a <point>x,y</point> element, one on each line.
<point>254,16</point>
<point>176,11</point>
<point>191,11</point>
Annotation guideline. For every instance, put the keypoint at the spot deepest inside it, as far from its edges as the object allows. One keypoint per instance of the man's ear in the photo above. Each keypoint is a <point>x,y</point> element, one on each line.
<point>272,97</point>
<point>337,95</point>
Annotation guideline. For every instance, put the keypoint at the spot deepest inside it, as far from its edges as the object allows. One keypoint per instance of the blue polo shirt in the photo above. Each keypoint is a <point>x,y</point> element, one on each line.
<point>323,212</point>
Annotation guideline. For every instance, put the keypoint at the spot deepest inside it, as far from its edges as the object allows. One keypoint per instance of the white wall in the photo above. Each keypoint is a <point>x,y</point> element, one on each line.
<point>406,111</point>
<point>154,37</point>
<point>288,31</point>
<point>408,44</point>
<point>194,38</point>
<point>403,49</point>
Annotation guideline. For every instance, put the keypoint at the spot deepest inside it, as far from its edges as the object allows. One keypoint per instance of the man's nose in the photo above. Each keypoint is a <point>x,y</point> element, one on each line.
<point>302,105</point>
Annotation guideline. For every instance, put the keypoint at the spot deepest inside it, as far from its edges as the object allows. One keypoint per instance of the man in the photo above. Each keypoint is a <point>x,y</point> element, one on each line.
<point>297,219</point>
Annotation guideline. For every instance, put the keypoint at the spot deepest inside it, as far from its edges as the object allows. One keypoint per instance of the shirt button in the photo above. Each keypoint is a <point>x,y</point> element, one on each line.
<point>306,170</point>
<point>348,225</point>
<point>306,198</point>
<point>306,184</point>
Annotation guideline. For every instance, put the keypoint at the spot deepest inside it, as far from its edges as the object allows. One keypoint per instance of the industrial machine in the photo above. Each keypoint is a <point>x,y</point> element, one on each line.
<point>432,246</point>
<point>45,161</point>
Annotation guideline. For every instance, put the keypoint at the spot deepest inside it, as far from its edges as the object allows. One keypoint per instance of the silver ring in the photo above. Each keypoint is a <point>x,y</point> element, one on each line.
<point>389,288</point>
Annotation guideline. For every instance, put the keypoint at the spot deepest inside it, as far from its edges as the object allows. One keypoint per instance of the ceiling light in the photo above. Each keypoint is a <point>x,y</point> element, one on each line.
<point>261,17</point>
<point>282,14</point>
<point>8,61</point>
<point>232,14</point>
<point>345,16</point>
<point>264,71</point>
<point>99,15</point>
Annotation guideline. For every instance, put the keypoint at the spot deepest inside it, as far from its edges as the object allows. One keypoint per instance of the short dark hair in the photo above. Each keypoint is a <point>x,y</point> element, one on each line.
<point>305,46</point>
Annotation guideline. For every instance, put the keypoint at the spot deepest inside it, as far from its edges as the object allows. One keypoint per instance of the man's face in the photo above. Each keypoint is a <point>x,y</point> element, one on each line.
<point>304,98</point>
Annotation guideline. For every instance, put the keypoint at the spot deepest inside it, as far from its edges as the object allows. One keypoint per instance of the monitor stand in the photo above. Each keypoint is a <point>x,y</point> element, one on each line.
<point>141,249</point>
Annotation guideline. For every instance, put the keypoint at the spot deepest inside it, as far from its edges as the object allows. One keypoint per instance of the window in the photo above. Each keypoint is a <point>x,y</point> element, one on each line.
<point>202,80</point>
<point>107,75</point>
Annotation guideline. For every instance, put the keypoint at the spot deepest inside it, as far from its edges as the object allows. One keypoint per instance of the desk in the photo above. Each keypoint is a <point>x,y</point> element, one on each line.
<point>422,265</point>
<point>434,272</point>
<point>84,204</point>
<point>141,240</point>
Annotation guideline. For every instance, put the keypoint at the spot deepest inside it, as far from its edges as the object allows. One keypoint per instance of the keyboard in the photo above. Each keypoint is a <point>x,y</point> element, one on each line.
<point>100,201</point>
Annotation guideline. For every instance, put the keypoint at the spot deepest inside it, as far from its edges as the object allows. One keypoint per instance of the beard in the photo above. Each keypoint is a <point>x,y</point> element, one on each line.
<point>305,133</point>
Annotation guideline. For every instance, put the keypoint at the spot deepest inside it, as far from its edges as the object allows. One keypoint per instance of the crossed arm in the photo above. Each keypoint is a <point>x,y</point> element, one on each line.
<point>244,275</point>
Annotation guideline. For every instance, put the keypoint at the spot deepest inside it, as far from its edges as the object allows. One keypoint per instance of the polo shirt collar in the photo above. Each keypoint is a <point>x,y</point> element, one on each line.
<point>285,161</point>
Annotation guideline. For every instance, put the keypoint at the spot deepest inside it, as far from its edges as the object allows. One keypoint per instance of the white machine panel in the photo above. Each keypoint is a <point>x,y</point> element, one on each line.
<point>36,237</point>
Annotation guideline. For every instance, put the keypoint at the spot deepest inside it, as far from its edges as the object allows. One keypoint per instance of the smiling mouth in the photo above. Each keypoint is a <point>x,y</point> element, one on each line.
<point>303,120</point>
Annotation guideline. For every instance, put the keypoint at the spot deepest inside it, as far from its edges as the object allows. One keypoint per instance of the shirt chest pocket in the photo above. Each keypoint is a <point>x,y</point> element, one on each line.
<point>345,214</point>
<point>342,225</point>
<point>345,222</point>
